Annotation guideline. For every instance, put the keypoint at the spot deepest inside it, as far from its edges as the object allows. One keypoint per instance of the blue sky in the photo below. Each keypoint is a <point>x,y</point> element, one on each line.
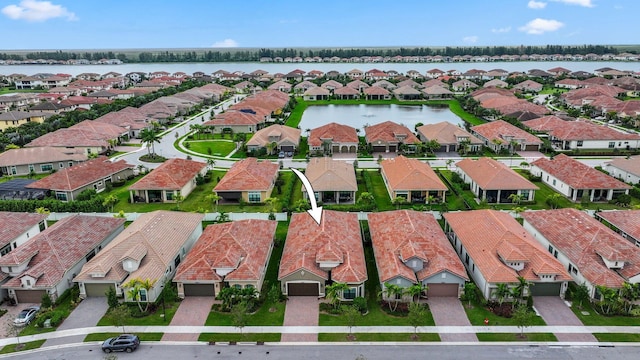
<point>119,24</point>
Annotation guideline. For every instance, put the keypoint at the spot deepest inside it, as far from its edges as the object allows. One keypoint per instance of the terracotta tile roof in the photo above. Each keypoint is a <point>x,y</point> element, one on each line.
<point>628,108</point>
<point>490,174</point>
<point>406,90</point>
<point>243,246</point>
<point>358,84</point>
<point>577,130</point>
<point>173,174</point>
<point>161,233</point>
<point>495,83</point>
<point>337,133</point>
<point>338,232</point>
<point>630,165</point>
<point>483,233</point>
<point>234,117</point>
<point>446,133</point>
<point>578,175</point>
<point>281,134</point>
<point>71,138</point>
<point>332,83</point>
<point>376,90</point>
<point>39,155</point>
<point>584,240</point>
<point>397,236</point>
<point>627,221</point>
<point>390,132</point>
<point>249,174</point>
<point>346,90</point>
<point>58,248</point>
<point>80,175</point>
<point>503,131</point>
<point>326,174</point>
<point>404,173</point>
<point>15,224</point>
<point>315,91</point>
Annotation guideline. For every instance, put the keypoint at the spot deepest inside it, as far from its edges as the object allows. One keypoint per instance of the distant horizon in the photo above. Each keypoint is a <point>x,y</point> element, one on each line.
<point>54,25</point>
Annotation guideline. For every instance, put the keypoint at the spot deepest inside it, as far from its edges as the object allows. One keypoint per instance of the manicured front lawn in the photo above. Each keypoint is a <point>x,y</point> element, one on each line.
<point>338,337</point>
<point>154,318</point>
<point>105,336</point>
<point>24,346</point>
<point>225,337</point>
<point>617,337</point>
<point>595,319</point>
<point>516,337</point>
<point>262,317</point>
<point>216,147</point>
<point>477,313</point>
<point>379,191</point>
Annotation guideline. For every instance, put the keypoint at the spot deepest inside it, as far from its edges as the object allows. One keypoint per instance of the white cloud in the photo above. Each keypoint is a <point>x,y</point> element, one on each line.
<point>470,39</point>
<point>501,30</point>
<point>33,10</point>
<point>585,3</point>
<point>536,4</point>
<point>226,43</point>
<point>540,26</point>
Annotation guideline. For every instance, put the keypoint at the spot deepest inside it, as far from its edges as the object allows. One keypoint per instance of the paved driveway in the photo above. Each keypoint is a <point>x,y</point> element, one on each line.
<point>86,314</point>
<point>193,311</point>
<point>448,311</point>
<point>12,312</point>
<point>554,311</point>
<point>301,311</point>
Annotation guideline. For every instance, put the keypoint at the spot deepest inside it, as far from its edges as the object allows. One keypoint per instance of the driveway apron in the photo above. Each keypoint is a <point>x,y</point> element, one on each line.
<point>86,314</point>
<point>448,311</point>
<point>554,311</point>
<point>301,311</point>
<point>7,319</point>
<point>193,311</point>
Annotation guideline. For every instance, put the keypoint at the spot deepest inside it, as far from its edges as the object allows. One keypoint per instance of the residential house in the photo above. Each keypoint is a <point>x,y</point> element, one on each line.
<point>450,137</point>
<point>407,93</point>
<point>333,138</point>
<point>333,181</point>
<point>331,85</point>
<point>175,177</point>
<point>593,254</point>
<point>412,180</point>
<point>496,249</point>
<point>18,227</point>
<point>497,83</point>
<point>576,135</point>
<point>410,248</point>
<point>577,181</point>
<point>281,85</point>
<point>500,135</point>
<point>233,254</point>
<point>286,139</point>
<point>377,93</point>
<point>436,93</point>
<point>624,222</point>
<point>494,182</point>
<point>316,93</point>
<point>48,261</point>
<point>14,118</point>
<point>37,160</point>
<point>346,93</point>
<point>150,248</point>
<point>248,180</point>
<point>390,137</point>
<point>96,174</point>
<point>315,255</point>
<point>528,86</point>
<point>625,169</point>
<point>463,85</point>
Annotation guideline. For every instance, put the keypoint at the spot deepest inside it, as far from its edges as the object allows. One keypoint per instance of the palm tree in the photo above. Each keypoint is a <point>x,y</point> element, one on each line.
<point>553,200</point>
<point>502,292</point>
<point>109,201</point>
<point>213,199</point>
<point>515,198</point>
<point>392,291</point>
<point>334,292</point>
<point>211,163</point>
<point>521,288</point>
<point>273,204</point>
<point>150,136</point>
<point>415,291</point>
<point>179,199</point>
<point>270,147</point>
<point>43,210</point>
<point>135,286</point>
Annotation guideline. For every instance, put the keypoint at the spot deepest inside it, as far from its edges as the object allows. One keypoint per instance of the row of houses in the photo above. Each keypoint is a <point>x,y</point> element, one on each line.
<point>487,246</point>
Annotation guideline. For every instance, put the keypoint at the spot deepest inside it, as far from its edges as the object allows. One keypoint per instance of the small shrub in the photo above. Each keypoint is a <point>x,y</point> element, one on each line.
<point>360,304</point>
<point>46,301</point>
<point>112,297</point>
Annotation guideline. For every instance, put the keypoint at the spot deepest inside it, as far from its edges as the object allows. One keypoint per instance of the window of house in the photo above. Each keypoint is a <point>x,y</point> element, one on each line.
<point>254,196</point>
<point>551,249</point>
<point>237,286</point>
<point>579,143</point>
<point>61,196</point>
<point>466,259</point>
<point>46,167</point>
<point>70,164</point>
<point>28,282</point>
<point>143,295</point>
<point>524,194</point>
<point>555,254</point>
<point>612,144</point>
<point>168,194</point>
<point>14,171</point>
<point>61,165</point>
<point>554,182</point>
<point>249,286</point>
<point>349,293</point>
<point>5,250</point>
<point>31,168</point>
<point>176,261</point>
<point>473,268</point>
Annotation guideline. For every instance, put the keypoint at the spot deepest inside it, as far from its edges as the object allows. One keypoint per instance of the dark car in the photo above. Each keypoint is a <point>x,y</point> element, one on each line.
<point>124,342</point>
<point>26,316</point>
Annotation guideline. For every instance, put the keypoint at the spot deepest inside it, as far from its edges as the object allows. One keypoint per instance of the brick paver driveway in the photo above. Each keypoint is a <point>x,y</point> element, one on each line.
<point>87,314</point>
<point>554,311</point>
<point>193,311</point>
<point>301,311</point>
<point>448,311</point>
<point>7,319</point>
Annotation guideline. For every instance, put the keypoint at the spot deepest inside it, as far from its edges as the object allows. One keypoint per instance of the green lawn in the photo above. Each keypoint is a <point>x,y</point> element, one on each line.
<point>105,336</point>
<point>595,319</point>
<point>379,191</point>
<point>23,346</point>
<point>225,337</point>
<point>477,313</point>
<point>402,337</point>
<point>516,337</point>
<point>262,317</point>
<point>617,337</point>
<point>154,318</point>
<point>211,147</point>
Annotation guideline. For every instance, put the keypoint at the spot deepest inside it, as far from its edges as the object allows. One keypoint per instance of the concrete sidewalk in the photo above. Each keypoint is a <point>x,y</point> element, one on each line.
<point>328,329</point>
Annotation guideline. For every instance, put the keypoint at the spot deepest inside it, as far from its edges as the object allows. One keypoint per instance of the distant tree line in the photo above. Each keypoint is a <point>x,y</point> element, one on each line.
<point>238,55</point>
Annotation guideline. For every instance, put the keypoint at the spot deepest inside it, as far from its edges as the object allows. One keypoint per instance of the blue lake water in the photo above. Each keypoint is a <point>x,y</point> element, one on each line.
<point>358,116</point>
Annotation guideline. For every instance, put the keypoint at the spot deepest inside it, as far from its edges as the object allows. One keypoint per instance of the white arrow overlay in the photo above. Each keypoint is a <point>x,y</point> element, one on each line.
<point>315,212</point>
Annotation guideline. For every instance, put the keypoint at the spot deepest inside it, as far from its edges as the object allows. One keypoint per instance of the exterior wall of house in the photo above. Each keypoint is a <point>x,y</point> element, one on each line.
<point>482,284</point>
<point>15,123</point>
<point>38,168</point>
<point>552,181</point>
<point>562,258</point>
<point>263,195</point>
<point>445,277</point>
<point>22,238</point>
<point>401,282</point>
<point>623,175</point>
<point>236,128</point>
<point>302,276</point>
<point>602,144</point>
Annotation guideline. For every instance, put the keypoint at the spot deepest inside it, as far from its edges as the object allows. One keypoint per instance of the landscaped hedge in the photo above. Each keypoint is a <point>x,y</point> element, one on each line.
<point>367,181</point>
<point>93,205</point>
<point>635,192</point>
<point>288,191</point>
